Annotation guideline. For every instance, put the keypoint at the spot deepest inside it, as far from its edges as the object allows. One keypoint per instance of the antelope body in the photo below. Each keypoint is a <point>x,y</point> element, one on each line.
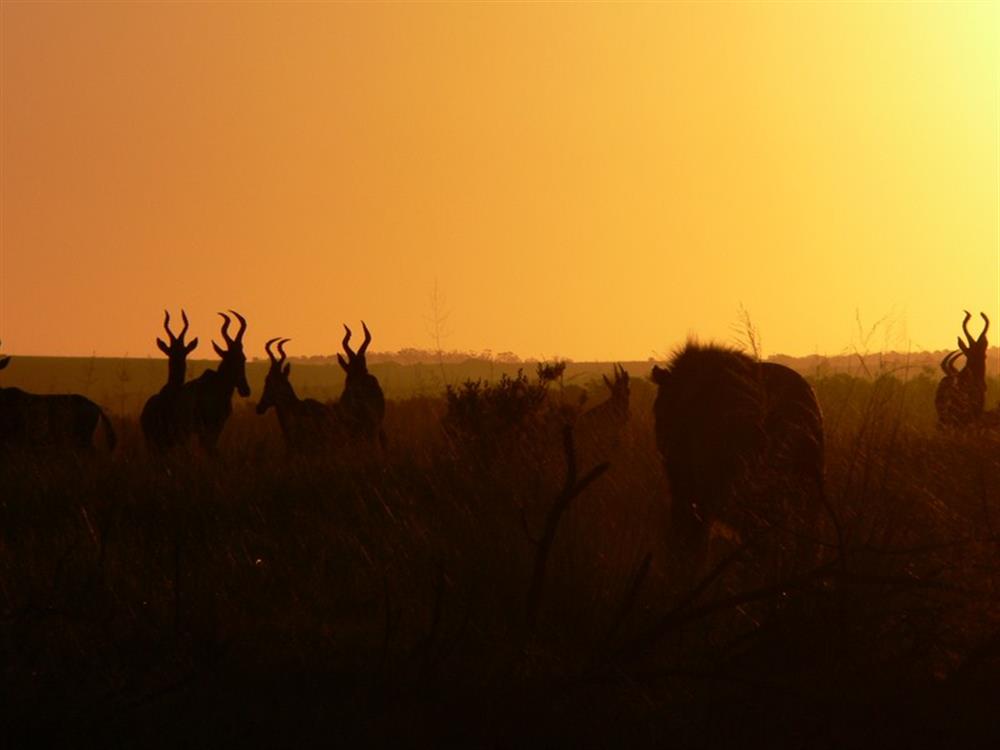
<point>603,425</point>
<point>61,421</point>
<point>733,432</point>
<point>306,424</point>
<point>200,407</point>
<point>361,408</point>
<point>961,395</point>
<point>158,420</point>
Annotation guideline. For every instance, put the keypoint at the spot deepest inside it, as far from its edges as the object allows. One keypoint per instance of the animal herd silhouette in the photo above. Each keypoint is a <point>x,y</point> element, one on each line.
<point>722,419</point>
<point>961,395</point>
<point>309,425</point>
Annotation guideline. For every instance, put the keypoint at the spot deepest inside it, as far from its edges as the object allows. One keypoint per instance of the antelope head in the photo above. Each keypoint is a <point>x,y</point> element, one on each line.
<point>948,364</point>
<point>619,386</point>
<point>974,349</point>
<point>233,366</point>
<point>355,365</point>
<point>276,385</point>
<point>177,351</point>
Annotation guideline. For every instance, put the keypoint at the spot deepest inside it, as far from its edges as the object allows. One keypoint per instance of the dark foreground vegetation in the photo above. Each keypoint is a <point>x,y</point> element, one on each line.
<point>485,593</point>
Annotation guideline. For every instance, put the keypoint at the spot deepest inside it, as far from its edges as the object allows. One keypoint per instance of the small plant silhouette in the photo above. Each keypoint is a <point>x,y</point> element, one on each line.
<point>513,406</point>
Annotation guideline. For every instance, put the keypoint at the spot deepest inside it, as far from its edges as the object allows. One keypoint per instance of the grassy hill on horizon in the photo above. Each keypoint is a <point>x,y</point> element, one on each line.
<point>122,384</point>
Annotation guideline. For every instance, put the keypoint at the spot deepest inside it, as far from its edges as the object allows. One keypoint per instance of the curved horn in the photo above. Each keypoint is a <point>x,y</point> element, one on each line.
<point>965,327</point>
<point>243,326</point>
<point>281,349</point>
<point>367,341</point>
<point>225,328</point>
<point>184,330</point>
<point>948,363</point>
<point>267,348</point>
<point>166,326</point>
<point>954,361</point>
<point>986,327</point>
<point>347,338</point>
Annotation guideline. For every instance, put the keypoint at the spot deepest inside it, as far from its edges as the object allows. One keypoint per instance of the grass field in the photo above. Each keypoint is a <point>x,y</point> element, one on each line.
<point>412,598</point>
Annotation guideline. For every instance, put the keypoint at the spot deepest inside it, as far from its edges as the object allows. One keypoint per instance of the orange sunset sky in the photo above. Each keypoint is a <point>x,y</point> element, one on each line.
<point>587,180</point>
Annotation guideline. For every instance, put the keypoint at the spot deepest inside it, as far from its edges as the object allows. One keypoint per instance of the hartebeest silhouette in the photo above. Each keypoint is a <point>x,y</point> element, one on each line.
<point>306,424</point>
<point>948,392</point>
<point>612,413</point>
<point>361,408</point>
<point>961,394</point>
<point>62,421</point>
<point>601,427</point>
<point>159,425</point>
<point>202,406</point>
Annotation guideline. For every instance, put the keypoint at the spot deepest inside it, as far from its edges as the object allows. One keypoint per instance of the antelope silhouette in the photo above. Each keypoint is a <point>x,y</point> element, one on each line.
<point>731,429</point>
<point>948,393</point>
<point>361,408</point>
<point>201,406</point>
<point>59,421</point>
<point>961,395</point>
<point>159,425</point>
<point>306,424</point>
<point>602,426</point>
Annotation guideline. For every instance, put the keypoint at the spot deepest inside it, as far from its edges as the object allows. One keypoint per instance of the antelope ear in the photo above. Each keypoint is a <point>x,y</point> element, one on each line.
<point>4,362</point>
<point>963,346</point>
<point>343,363</point>
<point>163,346</point>
<point>218,349</point>
<point>192,346</point>
<point>287,369</point>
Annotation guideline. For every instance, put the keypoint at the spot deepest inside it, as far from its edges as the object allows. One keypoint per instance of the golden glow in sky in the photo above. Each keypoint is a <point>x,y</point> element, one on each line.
<point>595,181</point>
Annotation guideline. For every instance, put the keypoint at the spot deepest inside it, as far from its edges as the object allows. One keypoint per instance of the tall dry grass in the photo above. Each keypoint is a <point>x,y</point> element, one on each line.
<point>376,599</point>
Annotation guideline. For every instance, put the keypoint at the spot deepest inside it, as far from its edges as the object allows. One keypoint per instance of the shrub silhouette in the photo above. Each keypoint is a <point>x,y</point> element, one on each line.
<point>481,413</point>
